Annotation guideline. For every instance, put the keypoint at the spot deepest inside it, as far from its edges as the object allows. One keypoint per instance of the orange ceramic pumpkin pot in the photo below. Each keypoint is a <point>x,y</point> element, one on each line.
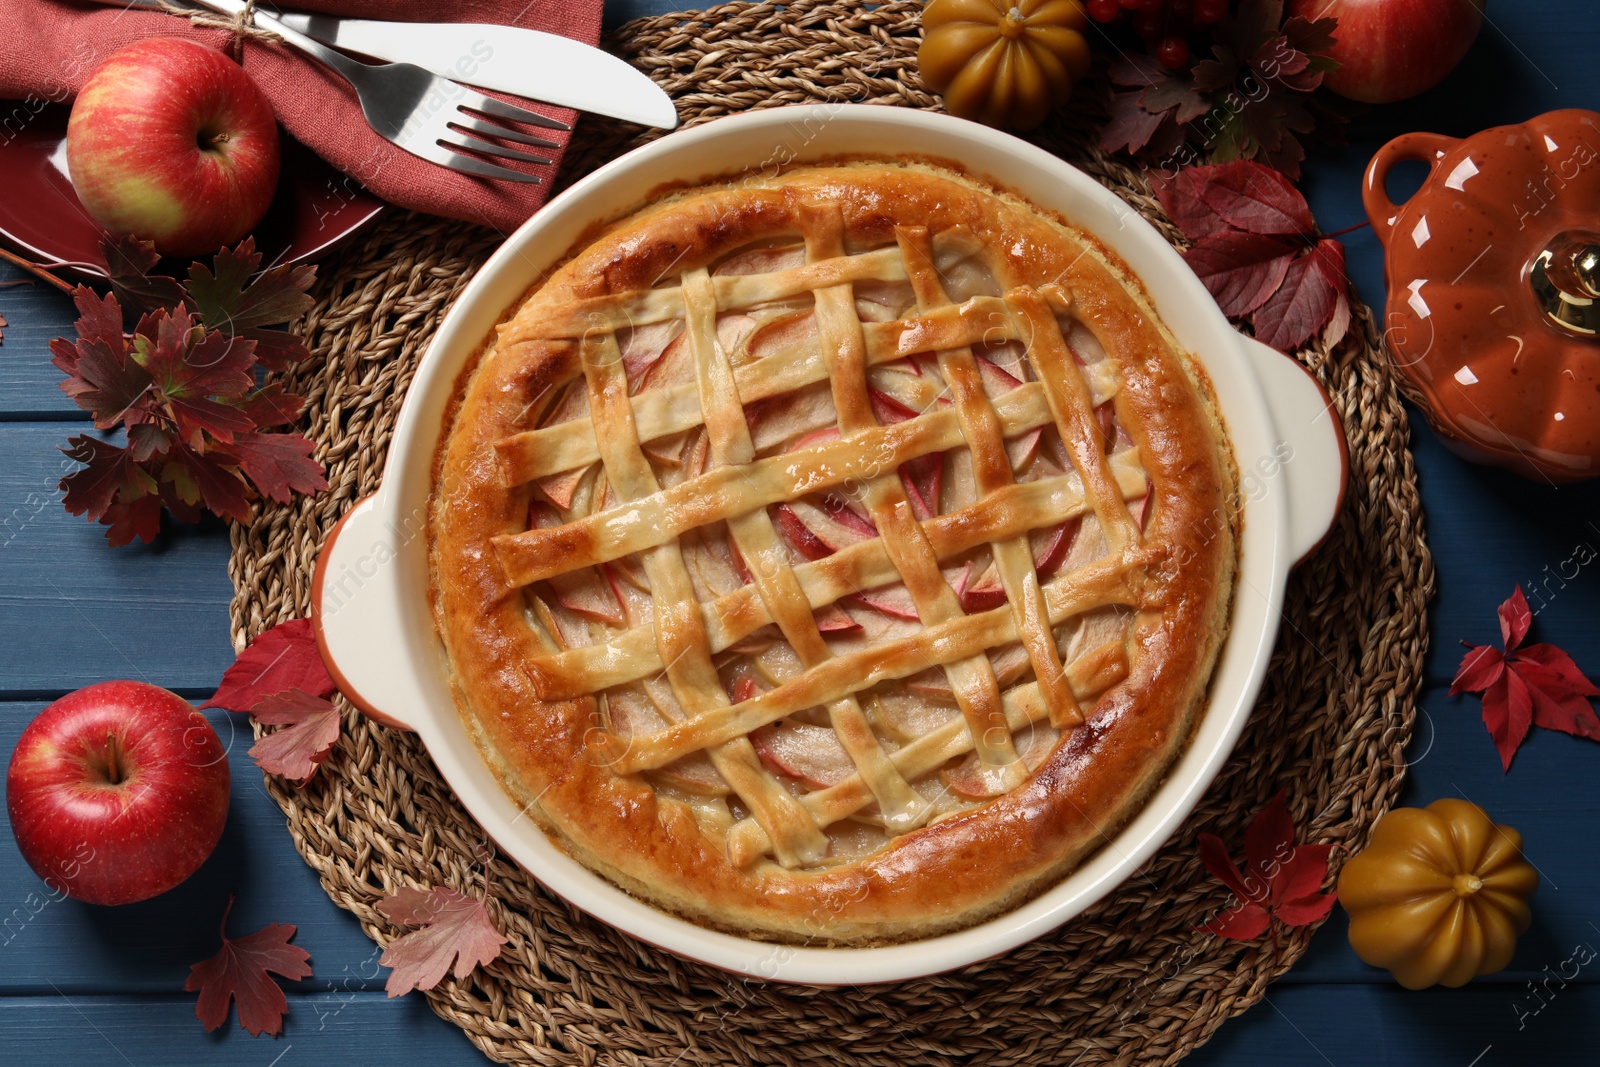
<point>1494,290</point>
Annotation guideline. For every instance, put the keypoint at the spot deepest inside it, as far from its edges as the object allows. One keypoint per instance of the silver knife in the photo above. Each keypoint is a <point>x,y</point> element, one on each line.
<point>539,66</point>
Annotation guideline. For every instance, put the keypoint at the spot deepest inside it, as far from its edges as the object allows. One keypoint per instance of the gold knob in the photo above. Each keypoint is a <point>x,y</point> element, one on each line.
<point>1566,282</point>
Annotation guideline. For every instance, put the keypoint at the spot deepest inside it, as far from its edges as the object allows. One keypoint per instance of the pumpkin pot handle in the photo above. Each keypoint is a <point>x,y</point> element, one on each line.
<point>1426,147</point>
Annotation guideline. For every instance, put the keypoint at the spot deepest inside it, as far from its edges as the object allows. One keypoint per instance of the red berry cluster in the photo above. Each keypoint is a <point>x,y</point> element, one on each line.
<point>1164,25</point>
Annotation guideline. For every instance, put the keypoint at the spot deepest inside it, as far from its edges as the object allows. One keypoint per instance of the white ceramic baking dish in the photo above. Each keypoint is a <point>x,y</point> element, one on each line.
<point>370,600</point>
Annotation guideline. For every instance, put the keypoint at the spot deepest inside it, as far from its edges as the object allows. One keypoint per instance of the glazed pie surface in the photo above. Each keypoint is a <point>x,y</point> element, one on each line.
<point>833,557</point>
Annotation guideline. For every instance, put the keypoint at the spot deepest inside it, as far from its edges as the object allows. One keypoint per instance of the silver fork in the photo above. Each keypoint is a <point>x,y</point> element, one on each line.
<point>420,112</point>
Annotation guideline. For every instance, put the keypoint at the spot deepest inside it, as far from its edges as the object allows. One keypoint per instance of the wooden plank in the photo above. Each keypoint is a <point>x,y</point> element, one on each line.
<point>74,610</point>
<point>1480,1025</point>
<point>325,1025</point>
<point>34,314</point>
<point>1492,531</point>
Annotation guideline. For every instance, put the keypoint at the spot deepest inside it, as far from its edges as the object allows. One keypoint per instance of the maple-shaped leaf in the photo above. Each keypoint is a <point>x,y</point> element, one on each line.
<point>106,383</point>
<point>100,378</point>
<point>310,729</point>
<point>109,469</point>
<point>279,464</point>
<point>1281,880</point>
<point>186,394</point>
<point>270,406</point>
<point>149,439</point>
<point>452,928</point>
<point>1137,69</point>
<point>1177,97</point>
<point>99,322</point>
<point>1269,126</point>
<point>207,478</point>
<point>1538,685</point>
<point>234,298</point>
<point>241,973</point>
<point>1216,75</point>
<point>284,657</point>
<point>1313,36</point>
<point>189,367</point>
<point>129,262</point>
<point>1131,128</point>
<point>1306,299</point>
<point>138,519</point>
<point>1242,270</point>
<point>1248,100</point>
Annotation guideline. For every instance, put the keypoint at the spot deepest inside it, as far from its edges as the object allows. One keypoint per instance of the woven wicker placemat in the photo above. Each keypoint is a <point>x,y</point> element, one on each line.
<point>1128,982</point>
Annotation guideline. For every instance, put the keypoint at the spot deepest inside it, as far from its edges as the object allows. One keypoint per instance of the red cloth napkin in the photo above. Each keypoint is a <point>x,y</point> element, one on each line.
<point>48,49</point>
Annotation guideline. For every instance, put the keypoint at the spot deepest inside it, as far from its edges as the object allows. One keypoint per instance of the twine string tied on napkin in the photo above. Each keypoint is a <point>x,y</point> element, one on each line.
<point>242,26</point>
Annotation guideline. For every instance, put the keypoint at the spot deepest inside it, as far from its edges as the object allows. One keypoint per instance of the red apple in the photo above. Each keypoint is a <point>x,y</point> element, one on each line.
<point>117,792</point>
<point>172,142</point>
<point>1391,49</point>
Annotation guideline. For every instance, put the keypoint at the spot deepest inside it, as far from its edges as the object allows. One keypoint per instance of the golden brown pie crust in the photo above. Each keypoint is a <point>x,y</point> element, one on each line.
<point>594,793</point>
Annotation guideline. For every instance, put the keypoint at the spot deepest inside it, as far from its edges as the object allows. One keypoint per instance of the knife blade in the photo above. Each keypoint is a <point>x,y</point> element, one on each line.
<point>539,66</point>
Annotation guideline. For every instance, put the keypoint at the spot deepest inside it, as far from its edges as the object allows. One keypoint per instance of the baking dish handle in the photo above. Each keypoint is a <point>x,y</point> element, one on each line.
<point>1310,459</point>
<point>356,614</point>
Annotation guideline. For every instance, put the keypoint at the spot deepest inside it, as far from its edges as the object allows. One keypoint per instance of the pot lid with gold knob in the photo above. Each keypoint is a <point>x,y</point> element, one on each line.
<point>1493,317</point>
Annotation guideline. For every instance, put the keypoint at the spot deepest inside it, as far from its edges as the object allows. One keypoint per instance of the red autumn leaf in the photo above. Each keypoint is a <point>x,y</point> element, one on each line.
<point>1242,270</point>
<point>1254,198</point>
<point>241,973</point>
<point>1131,127</point>
<point>1306,299</point>
<point>1538,685</point>
<point>284,657</point>
<point>1249,224</point>
<point>207,478</point>
<point>452,928</point>
<point>139,518</point>
<point>194,372</point>
<point>1243,923</point>
<point>279,464</point>
<point>130,261</point>
<point>109,470</point>
<point>310,729</point>
<point>1281,880</point>
<point>1180,197</point>
<point>183,385</point>
<point>1339,322</point>
<point>101,378</point>
<point>270,406</point>
<point>241,302</point>
<point>1515,619</point>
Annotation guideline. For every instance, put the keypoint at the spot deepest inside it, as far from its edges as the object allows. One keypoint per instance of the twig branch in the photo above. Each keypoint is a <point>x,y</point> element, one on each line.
<point>37,271</point>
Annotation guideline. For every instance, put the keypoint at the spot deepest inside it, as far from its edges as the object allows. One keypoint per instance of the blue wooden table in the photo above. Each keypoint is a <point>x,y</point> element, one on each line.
<point>80,984</point>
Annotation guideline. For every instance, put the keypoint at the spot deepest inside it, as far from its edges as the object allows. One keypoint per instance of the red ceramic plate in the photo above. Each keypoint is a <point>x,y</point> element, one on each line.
<point>316,207</point>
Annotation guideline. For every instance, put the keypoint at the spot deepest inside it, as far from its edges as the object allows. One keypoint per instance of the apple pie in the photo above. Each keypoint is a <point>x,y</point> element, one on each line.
<point>837,556</point>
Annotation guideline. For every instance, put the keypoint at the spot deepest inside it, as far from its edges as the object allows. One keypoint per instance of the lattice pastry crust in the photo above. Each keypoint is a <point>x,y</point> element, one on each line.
<point>839,556</point>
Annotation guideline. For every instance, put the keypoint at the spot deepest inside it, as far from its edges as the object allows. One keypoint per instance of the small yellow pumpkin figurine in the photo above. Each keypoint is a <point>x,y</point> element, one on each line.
<point>1003,63</point>
<point>1439,896</point>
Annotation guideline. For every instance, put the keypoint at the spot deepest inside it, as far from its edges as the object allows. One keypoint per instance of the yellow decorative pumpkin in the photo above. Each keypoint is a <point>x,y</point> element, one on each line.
<point>1439,896</point>
<point>1004,64</point>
